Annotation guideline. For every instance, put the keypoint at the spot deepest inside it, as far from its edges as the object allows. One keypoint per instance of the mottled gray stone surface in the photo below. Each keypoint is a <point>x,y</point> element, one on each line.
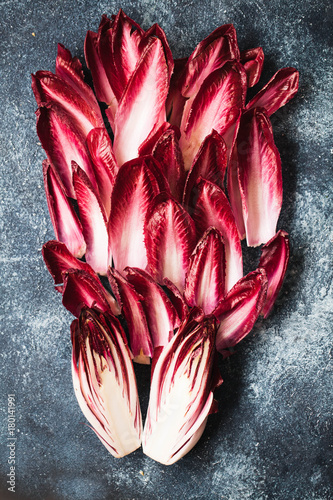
<point>271,437</point>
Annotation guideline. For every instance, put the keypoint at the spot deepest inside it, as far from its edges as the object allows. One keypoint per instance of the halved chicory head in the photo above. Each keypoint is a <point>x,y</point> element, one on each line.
<point>181,394</point>
<point>104,381</point>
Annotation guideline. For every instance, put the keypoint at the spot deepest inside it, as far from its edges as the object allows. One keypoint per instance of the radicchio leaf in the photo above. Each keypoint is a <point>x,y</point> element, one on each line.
<point>82,289</point>
<point>51,89</point>
<point>133,192</point>
<point>66,225</point>
<point>274,259</point>
<point>210,163</point>
<point>142,102</point>
<point>169,238</point>
<point>63,143</point>
<point>213,210</point>
<point>105,166</point>
<point>260,177</point>
<point>279,90</point>
<point>239,309</point>
<point>94,222</point>
<point>131,307</point>
<point>253,61</point>
<point>216,106</point>
<point>161,315</point>
<point>210,54</point>
<point>167,152</point>
<point>204,285</point>
<point>58,260</point>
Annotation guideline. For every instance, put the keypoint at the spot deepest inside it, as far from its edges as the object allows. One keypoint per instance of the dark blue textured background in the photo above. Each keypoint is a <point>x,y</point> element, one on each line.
<point>271,437</point>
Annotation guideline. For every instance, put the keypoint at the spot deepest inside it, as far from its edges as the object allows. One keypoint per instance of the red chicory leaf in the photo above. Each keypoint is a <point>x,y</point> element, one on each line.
<point>94,222</point>
<point>51,89</point>
<point>69,69</point>
<point>260,177</point>
<point>210,163</point>
<point>66,225</point>
<point>162,317</point>
<point>104,162</point>
<point>239,309</point>
<point>58,260</point>
<point>253,61</point>
<point>210,54</point>
<point>170,239</point>
<point>63,143</point>
<point>279,90</point>
<point>204,285</point>
<point>142,102</point>
<point>167,152</point>
<point>274,259</point>
<point>133,192</point>
<point>82,289</point>
<point>102,85</point>
<point>132,309</point>
<point>216,106</point>
<point>213,210</point>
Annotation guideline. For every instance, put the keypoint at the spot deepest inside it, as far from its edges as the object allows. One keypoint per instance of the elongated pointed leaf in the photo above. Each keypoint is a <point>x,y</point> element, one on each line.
<point>105,166</point>
<point>213,210</point>
<point>69,69</point>
<point>51,89</point>
<point>274,259</point>
<point>133,192</point>
<point>58,260</point>
<point>162,317</point>
<point>82,289</point>
<point>177,298</point>
<point>210,54</point>
<point>253,61</point>
<point>181,393</point>
<point>210,163</point>
<point>63,143</point>
<point>102,85</point>
<point>119,50</point>
<point>170,239</point>
<point>155,31</point>
<point>234,190</point>
<point>204,285</point>
<point>260,177</point>
<point>126,37</point>
<point>66,225</point>
<point>104,381</point>
<point>169,156</point>
<point>149,143</point>
<point>132,309</point>
<point>279,90</point>
<point>94,223</point>
<point>142,102</point>
<point>216,106</point>
<point>239,309</point>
